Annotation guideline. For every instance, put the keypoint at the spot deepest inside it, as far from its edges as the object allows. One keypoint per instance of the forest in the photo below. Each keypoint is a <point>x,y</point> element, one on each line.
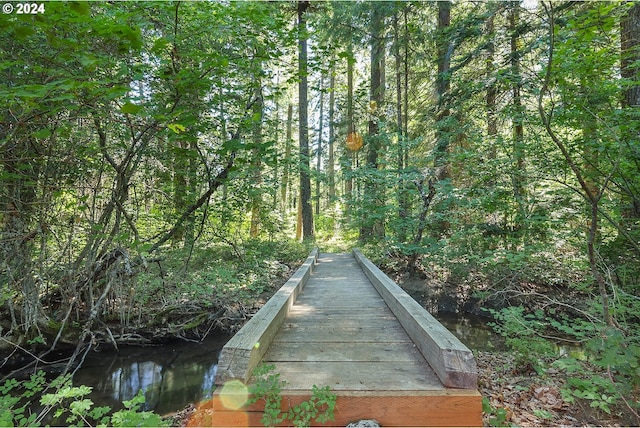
<point>165,166</point>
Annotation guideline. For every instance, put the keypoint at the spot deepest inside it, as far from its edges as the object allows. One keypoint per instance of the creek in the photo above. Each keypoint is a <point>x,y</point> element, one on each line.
<point>172,375</point>
<point>472,330</point>
<point>179,373</point>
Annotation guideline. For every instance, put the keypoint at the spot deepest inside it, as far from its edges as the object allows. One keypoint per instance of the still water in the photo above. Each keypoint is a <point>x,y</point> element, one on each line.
<point>180,373</point>
<point>172,375</point>
<point>472,330</point>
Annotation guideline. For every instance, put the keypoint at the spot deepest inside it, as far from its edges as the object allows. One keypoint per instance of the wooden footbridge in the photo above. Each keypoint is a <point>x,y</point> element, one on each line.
<point>340,321</point>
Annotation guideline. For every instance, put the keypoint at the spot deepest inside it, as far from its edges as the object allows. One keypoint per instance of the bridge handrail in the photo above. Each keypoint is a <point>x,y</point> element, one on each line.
<point>452,361</point>
<point>244,351</point>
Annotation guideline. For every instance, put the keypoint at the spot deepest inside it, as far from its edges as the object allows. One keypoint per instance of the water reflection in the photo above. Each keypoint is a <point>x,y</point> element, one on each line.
<point>171,376</point>
<point>472,330</point>
<point>127,381</point>
<point>209,377</point>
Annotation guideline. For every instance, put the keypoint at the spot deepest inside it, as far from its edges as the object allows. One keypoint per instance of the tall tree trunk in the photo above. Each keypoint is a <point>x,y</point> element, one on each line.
<point>406,79</point>
<point>256,195</point>
<point>517,175</point>
<point>319,151</point>
<point>490,98</point>
<point>305,179</point>
<point>630,49</point>
<point>285,189</point>
<point>373,226</point>
<point>444,52</point>
<point>277,161</point>
<point>630,57</point>
<point>443,131</point>
<point>349,155</point>
<point>403,210</point>
<point>331,178</point>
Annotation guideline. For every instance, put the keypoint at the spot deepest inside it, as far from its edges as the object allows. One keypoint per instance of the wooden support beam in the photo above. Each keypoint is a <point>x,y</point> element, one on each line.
<point>452,361</point>
<point>246,348</point>
<point>390,408</point>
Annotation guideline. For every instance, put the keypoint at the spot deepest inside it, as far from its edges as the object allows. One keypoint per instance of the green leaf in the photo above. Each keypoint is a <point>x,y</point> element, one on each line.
<point>160,44</point>
<point>176,127</point>
<point>81,407</point>
<point>99,412</point>
<point>50,399</point>
<point>80,7</point>
<point>23,32</point>
<point>89,62</point>
<point>233,145</point>
<point>6,418</point>
<point>42,134</point>
<point>135,402</point>
<point>130,108</point>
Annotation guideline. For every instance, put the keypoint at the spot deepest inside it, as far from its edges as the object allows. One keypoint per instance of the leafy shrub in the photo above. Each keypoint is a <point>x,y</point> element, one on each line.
<point>268,387</point>
<point>66,404</point>
<point>523,333</point>
<point>607,375</point>
<point>611,376</point>
<point>497,415</point>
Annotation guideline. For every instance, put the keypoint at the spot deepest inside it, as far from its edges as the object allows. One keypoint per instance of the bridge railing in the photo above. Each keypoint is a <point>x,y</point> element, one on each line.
<point>244,351</point>
<point>452,361</point>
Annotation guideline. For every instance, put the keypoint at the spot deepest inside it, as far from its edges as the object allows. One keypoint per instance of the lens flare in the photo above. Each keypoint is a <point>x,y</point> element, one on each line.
<point>234,394</point>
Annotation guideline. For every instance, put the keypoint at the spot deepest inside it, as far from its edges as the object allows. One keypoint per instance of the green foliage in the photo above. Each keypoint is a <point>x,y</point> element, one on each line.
<point>606,373</point>
<point>543,414</point>
<point>15,397</point>
<point>497,415</point>
<point>598,391</point>
<point>241,272</point>
<point>38,340</point>
<point>67,404</point>
<point>613,369</point>
<point>132,416</point>
<point>320,408</point>
<point>325,225</point>
<point>523,333</point>
<point>268,387</point>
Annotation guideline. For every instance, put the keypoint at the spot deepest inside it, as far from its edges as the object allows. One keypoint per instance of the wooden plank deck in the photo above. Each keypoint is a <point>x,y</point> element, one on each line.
<point>341,314</point>
<point>367,342</point>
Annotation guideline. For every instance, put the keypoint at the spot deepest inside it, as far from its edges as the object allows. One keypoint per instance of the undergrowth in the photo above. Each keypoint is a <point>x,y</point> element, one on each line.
<point>603,372</point>
<point>268,388</point>
<point>35,402</point>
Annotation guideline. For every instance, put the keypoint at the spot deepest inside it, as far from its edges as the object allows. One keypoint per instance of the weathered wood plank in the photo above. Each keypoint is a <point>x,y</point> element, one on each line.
<point>398,352</point>
<point>351,312</point>
<point>337,301</point>
<point>451,359</point>
<point>342,335</point>
<point>359,376</point>
<point>342,322</point>
<point>245,349</point>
